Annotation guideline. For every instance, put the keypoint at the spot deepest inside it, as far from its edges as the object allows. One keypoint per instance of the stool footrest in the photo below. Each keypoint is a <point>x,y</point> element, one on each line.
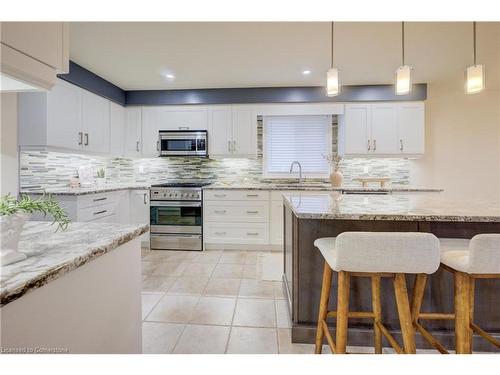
<point>436,316</point>
<point>354,314</point>
<point>390,338</point>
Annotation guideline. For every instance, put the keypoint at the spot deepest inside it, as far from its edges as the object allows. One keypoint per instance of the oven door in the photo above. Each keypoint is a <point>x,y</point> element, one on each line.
<point>176,217</point>
<point>176,242</point>
<point>183,143</point>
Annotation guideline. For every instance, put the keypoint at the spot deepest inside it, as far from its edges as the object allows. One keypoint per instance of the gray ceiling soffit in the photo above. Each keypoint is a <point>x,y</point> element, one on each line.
<point>272,95</point>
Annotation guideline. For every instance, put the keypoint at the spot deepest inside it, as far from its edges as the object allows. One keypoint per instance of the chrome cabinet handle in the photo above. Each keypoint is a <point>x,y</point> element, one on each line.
<point>80,138</point>
<point>100,212</point>
<point>401,145</point>
<point>137,146</point>
<point>369,145</point>
<point>252,195</point>
<point>252,233</point>
<point>374,145</point>
<point>234,146</point>
<point>145,196</point>
<point>229,146</point>
<point>220,211</point>
<point>220,195</point>
<point>220,233</point>
<point>100,199</point>
<point>184,127</point>
<point>86,139</point>
<point>252,212</point>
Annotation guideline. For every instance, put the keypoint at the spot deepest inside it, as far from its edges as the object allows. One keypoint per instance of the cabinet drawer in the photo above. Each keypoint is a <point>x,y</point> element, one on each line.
<point>237,211</point>
<point>235,233</point>
<point>93,213</point>
<point>236,195</point>
<point>98,199</point>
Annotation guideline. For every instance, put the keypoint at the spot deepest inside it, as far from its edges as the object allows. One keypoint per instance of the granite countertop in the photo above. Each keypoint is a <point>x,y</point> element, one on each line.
<point>333,205</point>
<point>313,186</point>
<point>87,190</point>
<point>52,254</point>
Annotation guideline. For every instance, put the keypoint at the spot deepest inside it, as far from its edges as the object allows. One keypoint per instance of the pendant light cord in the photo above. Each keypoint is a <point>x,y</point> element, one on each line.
<point>403,43</point>
<point>474,40</point>
<point>331,62</point>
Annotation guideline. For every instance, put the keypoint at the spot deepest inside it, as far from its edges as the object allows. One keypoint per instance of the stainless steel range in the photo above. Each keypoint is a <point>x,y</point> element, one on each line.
<point>176,216</point>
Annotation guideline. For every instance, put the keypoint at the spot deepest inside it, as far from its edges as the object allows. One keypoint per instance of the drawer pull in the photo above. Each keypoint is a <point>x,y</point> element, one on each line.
<point>220,211</point>
<point>252,212</point>
<point>252,195</point>
<point>252,233</point>
<point>220,233</point>
<point>100,199</point>
<point>220,195</point>
<point>100,212</point>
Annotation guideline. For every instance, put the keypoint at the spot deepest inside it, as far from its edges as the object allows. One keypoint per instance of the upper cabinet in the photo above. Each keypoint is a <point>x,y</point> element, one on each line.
<point>34,52</point>
<point>150,128</point>
<point>117,129</point>
<point>382,129</point>
<point>182,118</point>
<point>66,117</point>
<point>133,126</point>
<point>232,131</point>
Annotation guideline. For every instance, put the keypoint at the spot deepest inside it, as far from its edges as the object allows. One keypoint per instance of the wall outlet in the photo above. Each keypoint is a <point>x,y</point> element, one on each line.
<point>366,169</point>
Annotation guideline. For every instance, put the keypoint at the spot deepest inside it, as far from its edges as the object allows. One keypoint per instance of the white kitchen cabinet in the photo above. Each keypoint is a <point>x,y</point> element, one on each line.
<point>232,131</point>
<point>95,122</point>
<point>34,52</point>
<point>382,129</point>
<point>183,118</point>
<point>276,222</point>
<point>150,129</point>
<point>139,211</point>
<point>220,130</point>
<point>117,129</point>
<point>133,126</point>
<point>410,119</point>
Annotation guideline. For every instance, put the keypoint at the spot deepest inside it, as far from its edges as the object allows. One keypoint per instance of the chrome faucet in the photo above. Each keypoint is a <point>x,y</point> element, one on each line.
<point>300,169</point>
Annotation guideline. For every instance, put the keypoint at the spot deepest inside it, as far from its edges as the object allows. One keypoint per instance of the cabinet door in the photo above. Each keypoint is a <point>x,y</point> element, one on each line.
<point>383,129</point>
<point>244,131</point>
<point>133,131</point>
<point>95,122</point>
<point>139,207</point>
<point>150,128</point>
<point>181,118</point>
<point>117,129</point>
<point>276,223</point>
<point>219,131</point>
<point>64,116</point>
<point>410,119</point>
<point>357,129</point>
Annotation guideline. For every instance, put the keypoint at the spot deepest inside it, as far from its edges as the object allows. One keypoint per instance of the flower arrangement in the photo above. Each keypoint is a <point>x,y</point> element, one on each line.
<point>100,173</point>
<point>334,160</point>
<point>46,204</point>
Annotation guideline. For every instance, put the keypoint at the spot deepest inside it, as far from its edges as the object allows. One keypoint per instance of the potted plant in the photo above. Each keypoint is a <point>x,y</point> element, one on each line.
<point>101,177</point>
<point>336,176</point>
<point>14,214</point>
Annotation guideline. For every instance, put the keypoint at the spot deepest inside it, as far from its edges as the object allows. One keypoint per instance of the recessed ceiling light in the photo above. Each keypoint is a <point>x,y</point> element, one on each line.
<point>169,76</point>
<point>306,72</point>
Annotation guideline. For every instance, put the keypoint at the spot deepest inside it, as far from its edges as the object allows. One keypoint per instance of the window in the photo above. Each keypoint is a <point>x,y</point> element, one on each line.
<point>305,139</point>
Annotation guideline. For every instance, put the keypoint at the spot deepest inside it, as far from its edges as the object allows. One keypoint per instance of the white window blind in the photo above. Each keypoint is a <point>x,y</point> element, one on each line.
<point>305,139</point>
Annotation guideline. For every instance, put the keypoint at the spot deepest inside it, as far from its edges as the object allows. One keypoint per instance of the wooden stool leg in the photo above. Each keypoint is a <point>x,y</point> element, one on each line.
<point>418,296</point>
<point>404,313</point>
<point>472,289</point>
<point>463,333</point>
<point>342,311</point>
<point>377,310</point>
<point>323,306</point>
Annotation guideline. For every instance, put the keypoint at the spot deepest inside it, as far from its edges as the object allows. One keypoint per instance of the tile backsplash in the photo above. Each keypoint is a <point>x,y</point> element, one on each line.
<point>47,169</point>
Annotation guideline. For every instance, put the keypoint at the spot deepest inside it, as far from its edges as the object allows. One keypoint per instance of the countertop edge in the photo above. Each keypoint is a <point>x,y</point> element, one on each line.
<point>93,191</point>
<point>63,268</point>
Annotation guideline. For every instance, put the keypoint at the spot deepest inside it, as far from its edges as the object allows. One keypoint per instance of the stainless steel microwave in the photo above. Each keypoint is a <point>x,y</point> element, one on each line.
<point>183,143</point>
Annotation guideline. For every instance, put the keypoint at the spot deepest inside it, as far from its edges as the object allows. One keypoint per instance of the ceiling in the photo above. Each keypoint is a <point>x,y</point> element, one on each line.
<point>137,55</point>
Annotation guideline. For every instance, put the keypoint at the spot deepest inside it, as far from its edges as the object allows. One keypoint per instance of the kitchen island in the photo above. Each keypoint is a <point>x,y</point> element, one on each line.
<point>327,214</point>
<point>78,291</point>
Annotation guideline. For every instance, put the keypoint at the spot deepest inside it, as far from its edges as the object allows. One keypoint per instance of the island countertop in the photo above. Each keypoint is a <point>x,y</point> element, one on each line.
<point>52,254</point>
<point>332,205</point>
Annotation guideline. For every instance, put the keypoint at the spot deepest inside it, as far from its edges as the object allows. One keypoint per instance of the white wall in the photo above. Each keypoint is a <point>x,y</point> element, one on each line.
<point>463,131</point>
<point>9,161</point>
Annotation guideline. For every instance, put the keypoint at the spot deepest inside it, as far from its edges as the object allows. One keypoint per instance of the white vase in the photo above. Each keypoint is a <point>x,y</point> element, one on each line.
<point>337,178</point>
<point>10,230</point>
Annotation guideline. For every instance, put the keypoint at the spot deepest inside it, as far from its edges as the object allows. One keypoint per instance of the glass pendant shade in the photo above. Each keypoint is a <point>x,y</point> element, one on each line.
<point>474,79</point>
<point>332,82</point>
<point>403,80</point>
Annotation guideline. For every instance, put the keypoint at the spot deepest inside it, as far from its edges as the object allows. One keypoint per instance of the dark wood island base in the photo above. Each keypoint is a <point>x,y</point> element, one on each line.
<point>303,266</point>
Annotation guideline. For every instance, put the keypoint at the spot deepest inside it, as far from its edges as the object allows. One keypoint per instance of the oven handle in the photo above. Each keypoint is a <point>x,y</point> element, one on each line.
<point>175,235</point>
<point>174,204</point>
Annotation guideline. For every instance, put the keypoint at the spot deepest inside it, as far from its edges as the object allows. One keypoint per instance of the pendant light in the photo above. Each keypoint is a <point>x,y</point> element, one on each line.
<point>403,73</point>
<point>332,76</point>
<point>474,75</point>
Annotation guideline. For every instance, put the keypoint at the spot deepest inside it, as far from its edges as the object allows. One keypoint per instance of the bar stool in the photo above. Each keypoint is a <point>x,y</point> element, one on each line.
<point>467,260</point>
<point>374,255</point>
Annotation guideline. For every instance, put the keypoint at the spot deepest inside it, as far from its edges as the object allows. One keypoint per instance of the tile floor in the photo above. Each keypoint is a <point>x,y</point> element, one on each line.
<point>216,302</point>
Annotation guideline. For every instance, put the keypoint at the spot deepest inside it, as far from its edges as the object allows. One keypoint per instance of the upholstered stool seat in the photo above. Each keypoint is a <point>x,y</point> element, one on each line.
<point>467,260</point>
<point>374,255</point>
